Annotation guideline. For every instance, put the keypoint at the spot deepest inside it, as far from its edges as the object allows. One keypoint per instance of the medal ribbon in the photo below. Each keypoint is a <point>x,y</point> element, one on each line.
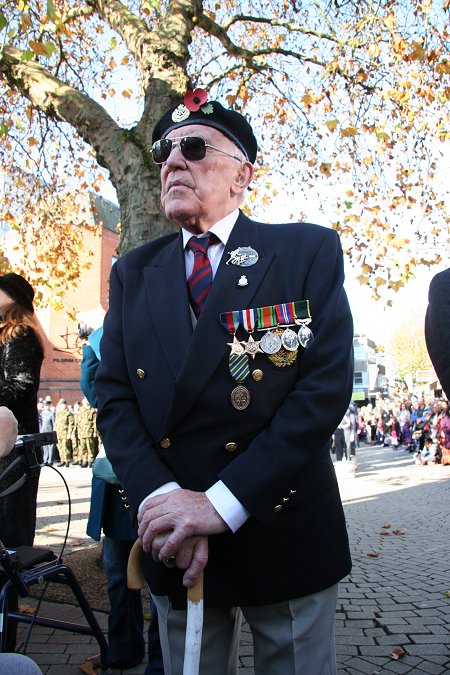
<point>285,313</point>
<point>238,365</point>
<point>266,317</point>
<point>230,321</point>
<point>302,310</point>
<point>248,319</point>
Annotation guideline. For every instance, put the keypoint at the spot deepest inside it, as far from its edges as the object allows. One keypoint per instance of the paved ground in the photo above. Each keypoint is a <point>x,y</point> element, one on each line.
<point>393,610</point>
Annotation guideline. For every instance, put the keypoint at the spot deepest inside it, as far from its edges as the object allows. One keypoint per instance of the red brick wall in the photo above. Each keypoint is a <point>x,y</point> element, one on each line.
<point>60,371</point>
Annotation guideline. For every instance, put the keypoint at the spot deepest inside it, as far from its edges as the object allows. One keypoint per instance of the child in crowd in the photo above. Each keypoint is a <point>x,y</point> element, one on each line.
<point>429,454</point>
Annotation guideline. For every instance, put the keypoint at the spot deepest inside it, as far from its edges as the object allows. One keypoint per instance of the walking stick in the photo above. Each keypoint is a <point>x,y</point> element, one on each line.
<point>194,620</point>
<point>135,576</point>
<point>194,628</point>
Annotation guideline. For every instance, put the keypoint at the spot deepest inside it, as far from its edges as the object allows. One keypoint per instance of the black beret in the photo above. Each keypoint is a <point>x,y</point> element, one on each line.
<point>196,110</point>
<point>18,288</point>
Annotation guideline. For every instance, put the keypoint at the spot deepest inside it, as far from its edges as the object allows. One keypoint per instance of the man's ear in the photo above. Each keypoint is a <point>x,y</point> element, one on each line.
<point>243,177</point>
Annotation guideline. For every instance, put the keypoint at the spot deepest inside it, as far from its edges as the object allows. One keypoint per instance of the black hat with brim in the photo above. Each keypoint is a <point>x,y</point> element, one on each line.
<point>18,288</point>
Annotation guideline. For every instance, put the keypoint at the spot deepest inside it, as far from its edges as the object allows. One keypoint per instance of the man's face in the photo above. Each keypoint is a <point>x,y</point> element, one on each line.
<point>197,194</point>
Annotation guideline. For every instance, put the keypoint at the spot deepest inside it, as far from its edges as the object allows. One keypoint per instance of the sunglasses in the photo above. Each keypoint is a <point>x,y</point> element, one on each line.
<point>192,148</point>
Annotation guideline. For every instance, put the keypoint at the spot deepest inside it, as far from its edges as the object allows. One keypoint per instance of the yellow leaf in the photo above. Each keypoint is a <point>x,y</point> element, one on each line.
<point>364,281</point>
<point>418,53</point>
<point>348,131</point>
<point>331,125</point>
<point>32,141</point>
<point>127,93</point>
<point>325,169</point>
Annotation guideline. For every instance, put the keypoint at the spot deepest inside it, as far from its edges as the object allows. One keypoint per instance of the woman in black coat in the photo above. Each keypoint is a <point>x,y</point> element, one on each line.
<point>21,354</point>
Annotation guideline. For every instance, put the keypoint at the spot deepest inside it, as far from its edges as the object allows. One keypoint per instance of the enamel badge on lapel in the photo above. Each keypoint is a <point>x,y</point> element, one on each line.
<point>244,256</point>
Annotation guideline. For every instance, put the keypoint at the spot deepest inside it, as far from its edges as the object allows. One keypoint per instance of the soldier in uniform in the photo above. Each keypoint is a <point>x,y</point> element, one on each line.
<point>76,457</point>
<point>87,433</point>
<point>64,426</point>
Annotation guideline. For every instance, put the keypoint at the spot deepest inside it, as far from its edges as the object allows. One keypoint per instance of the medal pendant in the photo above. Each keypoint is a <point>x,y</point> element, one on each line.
<point>240,398</point>
<point>270,343</point>
<point>305,336</point>
<point>236,346</point>
<point>252,347</point>
<point>289,340</point>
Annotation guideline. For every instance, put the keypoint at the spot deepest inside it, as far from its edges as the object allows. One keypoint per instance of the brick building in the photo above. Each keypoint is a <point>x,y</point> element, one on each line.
<point>60,371</point>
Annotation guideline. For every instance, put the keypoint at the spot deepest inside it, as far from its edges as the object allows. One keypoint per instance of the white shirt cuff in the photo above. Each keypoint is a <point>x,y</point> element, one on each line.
<point>167,487</point>
<point>227,506</point>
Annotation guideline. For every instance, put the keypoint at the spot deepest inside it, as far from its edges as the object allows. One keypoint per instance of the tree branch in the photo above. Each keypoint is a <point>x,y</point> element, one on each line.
<point>56,99</point>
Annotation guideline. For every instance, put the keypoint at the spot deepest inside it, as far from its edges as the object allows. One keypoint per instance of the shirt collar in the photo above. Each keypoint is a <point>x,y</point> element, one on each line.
<point>222,229</point>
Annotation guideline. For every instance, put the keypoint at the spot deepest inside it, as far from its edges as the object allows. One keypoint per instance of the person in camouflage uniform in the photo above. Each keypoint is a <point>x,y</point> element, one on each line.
<point>64,426</point>
<point>87,433</point>
<point>76,458</point>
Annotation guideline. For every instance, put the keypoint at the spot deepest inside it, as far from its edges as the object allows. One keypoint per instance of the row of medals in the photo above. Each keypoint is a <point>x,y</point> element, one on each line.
<point>281,346</point>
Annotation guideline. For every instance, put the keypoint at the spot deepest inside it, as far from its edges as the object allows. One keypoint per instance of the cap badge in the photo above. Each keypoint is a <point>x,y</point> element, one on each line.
<point>193,102</point>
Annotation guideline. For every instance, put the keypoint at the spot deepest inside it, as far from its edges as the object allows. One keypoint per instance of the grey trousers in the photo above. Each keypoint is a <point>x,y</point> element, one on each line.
<point>295,637</point>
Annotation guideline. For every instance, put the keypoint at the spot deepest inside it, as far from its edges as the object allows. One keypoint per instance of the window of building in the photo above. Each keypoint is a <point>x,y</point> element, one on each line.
<point>358,377</point>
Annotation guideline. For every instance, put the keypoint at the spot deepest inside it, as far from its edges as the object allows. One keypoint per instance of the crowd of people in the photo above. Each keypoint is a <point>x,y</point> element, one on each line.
<point>418,425</point>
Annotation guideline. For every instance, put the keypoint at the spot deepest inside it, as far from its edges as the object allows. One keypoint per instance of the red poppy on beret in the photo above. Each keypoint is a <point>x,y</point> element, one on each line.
<point>193,100</point>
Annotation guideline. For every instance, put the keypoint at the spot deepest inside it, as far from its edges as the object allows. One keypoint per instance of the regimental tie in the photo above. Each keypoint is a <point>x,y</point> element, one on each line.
<point>200,280</point>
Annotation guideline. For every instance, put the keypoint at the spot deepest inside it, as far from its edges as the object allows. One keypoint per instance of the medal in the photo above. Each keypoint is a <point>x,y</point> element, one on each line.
<point>236,346</point>
<point>252,347</point>
<point>248,319</point>
<point>244,256</point>
<point>289,340</point>
<point>286,317</point>
<point>240,398</point>
<point>238,359</point>
<point>303,318</point>
<point>270,343</point>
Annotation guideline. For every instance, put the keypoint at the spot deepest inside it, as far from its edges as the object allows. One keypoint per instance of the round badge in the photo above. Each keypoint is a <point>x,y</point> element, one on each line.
<point>270,343</point>
<point>240,397</point>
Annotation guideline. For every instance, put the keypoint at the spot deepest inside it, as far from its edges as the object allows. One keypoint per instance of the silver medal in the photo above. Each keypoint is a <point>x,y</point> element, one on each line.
<point>305,336</point>
<point>252,347</point>
<point>270,343</point>
<point>289,340</point>
<point>240,397</point>
<point>244,256</point>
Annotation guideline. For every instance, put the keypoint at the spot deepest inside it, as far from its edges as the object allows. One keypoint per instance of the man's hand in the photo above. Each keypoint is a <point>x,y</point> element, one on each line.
<point>192,556</point>
<point>184,519</point>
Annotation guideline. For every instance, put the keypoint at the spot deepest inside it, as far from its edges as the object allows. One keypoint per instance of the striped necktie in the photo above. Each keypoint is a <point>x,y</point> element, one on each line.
<point>200,280</point>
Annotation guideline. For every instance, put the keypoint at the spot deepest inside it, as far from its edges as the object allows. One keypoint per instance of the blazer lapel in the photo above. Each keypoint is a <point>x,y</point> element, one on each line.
<point>169,305</point>
<point>208,345</point>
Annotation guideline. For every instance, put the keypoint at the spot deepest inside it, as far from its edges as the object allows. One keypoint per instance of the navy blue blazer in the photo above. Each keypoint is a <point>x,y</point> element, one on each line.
<point>437,327</point>
<point>165,413</point>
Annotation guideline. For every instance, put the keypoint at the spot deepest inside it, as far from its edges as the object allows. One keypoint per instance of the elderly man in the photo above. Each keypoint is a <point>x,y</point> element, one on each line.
<point>226,366</point>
